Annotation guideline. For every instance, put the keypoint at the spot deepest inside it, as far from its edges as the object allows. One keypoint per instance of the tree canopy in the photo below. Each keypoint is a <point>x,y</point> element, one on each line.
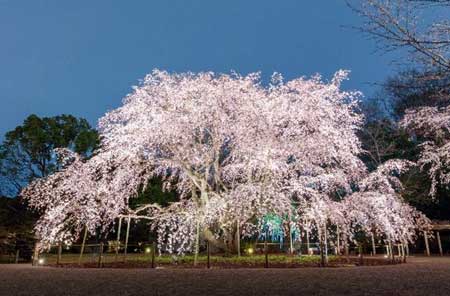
<point>235,151</point>
<point>27,152</point>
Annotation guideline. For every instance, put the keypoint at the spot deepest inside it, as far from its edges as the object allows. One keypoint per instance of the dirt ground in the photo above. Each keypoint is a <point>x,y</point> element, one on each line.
<point>420,276</point>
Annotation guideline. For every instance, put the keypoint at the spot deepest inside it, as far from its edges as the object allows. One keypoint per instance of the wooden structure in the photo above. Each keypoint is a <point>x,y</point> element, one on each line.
<point>437,227</point>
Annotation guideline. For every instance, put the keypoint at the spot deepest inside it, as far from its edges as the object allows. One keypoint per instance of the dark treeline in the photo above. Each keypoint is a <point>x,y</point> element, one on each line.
<point>384,138</point>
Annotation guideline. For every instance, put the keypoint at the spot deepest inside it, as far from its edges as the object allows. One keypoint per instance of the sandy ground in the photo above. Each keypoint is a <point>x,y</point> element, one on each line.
<point>420,276</point>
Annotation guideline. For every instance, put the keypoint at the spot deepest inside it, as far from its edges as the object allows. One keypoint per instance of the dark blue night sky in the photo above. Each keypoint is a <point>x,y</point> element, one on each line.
<point>82,57</point>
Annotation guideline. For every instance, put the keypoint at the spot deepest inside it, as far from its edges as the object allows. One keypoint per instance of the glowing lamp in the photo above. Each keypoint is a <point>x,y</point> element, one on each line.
<point>147,250</point>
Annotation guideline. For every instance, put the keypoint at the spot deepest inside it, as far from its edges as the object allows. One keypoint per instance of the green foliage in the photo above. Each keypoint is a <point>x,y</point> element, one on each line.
<point>383,140</point>
<point>27,151</point>
<point>152,193</point>
<point>16,227</point>
<point>412,89</point>
<point>416,191</point>
<point>256,260</point>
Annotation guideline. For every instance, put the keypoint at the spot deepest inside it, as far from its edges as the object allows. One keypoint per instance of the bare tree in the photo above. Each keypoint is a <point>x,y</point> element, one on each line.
<point>420,26</point>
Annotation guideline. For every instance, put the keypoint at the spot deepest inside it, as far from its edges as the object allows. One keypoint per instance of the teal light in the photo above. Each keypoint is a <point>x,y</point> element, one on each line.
<point>272,226</point>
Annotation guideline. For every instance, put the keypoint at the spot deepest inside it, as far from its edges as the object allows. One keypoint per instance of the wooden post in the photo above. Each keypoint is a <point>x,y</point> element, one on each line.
<point>307,243</point>
<point>391,251</point>
<point>300,239</point>
<point>427,246</point>
<point>58,258</point>
<point>322,247</point>
<point>17,256</point>
<point>346,251</point>
<point>35,255</point>
<point>82,245</point>
<point>126,238</point>
<point>100,255</point>
<point>118,239</point>
<point>438,236</point>
<point>266,252</point>
<point>407,249</point>
<point>360,250</point>
<point>399,250</point>
<point>374,249</point>
<point>197,242</point>
<point>403,253</point>
<point>208,262</point>
<point>153,254</point>
<point>387,251</point>
<point>325,242</point>
<point>338,242</point>
<point>291,243</point>
<point>238,240</point>
<point>322,253</point>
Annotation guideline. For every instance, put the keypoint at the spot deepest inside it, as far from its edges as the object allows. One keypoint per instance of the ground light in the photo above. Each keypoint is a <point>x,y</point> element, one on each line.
<point>147,250</point>
<point>41,261</point>
<point>250,251</point>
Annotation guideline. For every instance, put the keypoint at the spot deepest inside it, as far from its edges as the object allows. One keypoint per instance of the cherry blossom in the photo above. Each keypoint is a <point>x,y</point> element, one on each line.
<point>432,123</point>
<point>235,151</point>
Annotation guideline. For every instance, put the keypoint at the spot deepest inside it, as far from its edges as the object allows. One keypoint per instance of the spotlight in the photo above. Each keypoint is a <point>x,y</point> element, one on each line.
<point>147,250</point>
<point>41,261</point>
<point>250,251</point>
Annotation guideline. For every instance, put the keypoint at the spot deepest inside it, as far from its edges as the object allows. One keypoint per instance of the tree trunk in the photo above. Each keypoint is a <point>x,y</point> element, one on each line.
<point>427,246</point>
<point>100,256</point>
<point>125,252</point>
<point>35,255</point>
<point>118,239</point>
<point>16,261</point>
<point>404,253</point>
<point>82,245</point>
<point>208,249</point>
<point>325,240</point>
<point>438,237</point>
<point>238,239</point>
<point>266,252</point>
<point>307,242</point>
<point>58,258</point>
<point>197,242</point>
<point>338,241</point>
<point>219,244</point>
<point>291,243</point>
<point>346,251</point>
<point>391,250</point>
<point>322,253</point>
<point>374,250</point>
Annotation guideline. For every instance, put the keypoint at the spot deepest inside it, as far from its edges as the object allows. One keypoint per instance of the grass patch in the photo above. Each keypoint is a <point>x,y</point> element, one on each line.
<point>144,260</point>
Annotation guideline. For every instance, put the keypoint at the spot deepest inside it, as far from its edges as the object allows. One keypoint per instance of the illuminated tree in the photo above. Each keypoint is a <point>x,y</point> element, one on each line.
<point>235,151</point>
<point>432,123</point>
